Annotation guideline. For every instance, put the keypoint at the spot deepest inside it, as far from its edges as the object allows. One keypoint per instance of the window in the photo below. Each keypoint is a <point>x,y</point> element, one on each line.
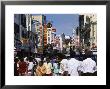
<point>49,39</point>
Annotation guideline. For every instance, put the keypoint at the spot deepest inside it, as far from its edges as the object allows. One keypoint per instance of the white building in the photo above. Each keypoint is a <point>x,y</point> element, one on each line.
<point>50,34</point>
<point>53,37</point>
<point>28,21</point>
<point>67,37</point>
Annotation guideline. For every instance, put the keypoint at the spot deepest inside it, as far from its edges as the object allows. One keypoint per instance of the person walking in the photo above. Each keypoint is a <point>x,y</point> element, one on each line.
<point>22,67</point>
<point>63,71</point>
<point>55,68</point>
<point>16,67</point>
<point>38,59</point>
<point>49,67</point>
<point>73,67</point>
<point>88,67</point>
<point>30,67</point>
<point>41,69</point>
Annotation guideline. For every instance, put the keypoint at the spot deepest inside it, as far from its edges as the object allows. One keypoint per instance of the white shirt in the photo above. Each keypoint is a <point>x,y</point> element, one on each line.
<point>88,65</point>
<point>73,66</point>
<point>63,66</point>
<point>25,59</point>
<point>55,67</point>
<point>38,59</point>
<point>30,66</point>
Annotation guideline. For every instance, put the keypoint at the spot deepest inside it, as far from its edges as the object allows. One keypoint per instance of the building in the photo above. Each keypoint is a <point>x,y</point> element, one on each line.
<point>53,36</point>
<point>40,26</point>
<point>58,42</point>
<point>20,27</point>
<point>50,34</point>
<point>45,34</point>
<point>80,32</point>
<point>61,43</point>
<point>20,33</point>
<point>68,43</point>
<point>93,32</point>
<point>87,30</point>
<point>17,31</point>
<point>29,22</point>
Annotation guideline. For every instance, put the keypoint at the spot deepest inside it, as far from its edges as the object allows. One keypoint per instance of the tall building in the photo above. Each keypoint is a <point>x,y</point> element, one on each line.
<point>29,22</point>
<point>91,24</point>
<point>88,30</point>
<point>17,32</point>
<point>80,31</point>
<point>93,32</point>
<point>53,35</point>
<point>49,33</point>
<point>45,34</point>
<point>40,21</point>
<point>20,31</point>
<point>31,33</point>
<point>61,43</point>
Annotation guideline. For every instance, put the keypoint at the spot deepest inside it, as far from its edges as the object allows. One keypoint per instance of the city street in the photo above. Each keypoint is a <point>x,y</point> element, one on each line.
<point>55,45</point>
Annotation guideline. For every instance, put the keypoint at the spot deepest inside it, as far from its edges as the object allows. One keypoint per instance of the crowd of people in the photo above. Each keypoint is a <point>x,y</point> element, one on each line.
<point>53,66</point>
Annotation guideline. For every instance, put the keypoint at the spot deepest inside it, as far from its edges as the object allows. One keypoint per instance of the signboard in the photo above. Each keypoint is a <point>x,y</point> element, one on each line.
<point>53,30</point>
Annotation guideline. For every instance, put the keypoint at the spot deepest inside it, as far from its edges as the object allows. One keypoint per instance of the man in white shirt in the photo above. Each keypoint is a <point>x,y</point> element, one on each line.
<point>38,59</point>
<point>73,67</point>
<point>30,68</point>
<point>63,66</point>
<point>88,67</point>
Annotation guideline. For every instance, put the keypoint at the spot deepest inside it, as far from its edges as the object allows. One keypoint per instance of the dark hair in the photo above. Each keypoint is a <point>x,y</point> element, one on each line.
<point>42,58</point>
<point>56,61</point>
<point>30,59</point>
<point>48,60</point>
<point>40,63</point>
<point>16,60</point>
<point>21,59</point>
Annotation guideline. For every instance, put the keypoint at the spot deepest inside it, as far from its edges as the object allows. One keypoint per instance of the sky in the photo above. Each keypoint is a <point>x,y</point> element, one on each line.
<point>64,23</point>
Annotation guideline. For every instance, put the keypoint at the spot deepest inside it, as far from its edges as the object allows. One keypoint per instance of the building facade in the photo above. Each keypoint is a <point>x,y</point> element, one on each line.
<point>93,32</point>
<point>49,33</point>
<point>20,34</point>
<point>40,26</point>
<point>20,28</point>
<point>87,30</point>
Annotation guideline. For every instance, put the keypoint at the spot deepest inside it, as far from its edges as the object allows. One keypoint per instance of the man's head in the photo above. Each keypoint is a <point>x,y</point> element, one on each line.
<point>48,60</point>
<point>16,60</point>
<point>40,63</point>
